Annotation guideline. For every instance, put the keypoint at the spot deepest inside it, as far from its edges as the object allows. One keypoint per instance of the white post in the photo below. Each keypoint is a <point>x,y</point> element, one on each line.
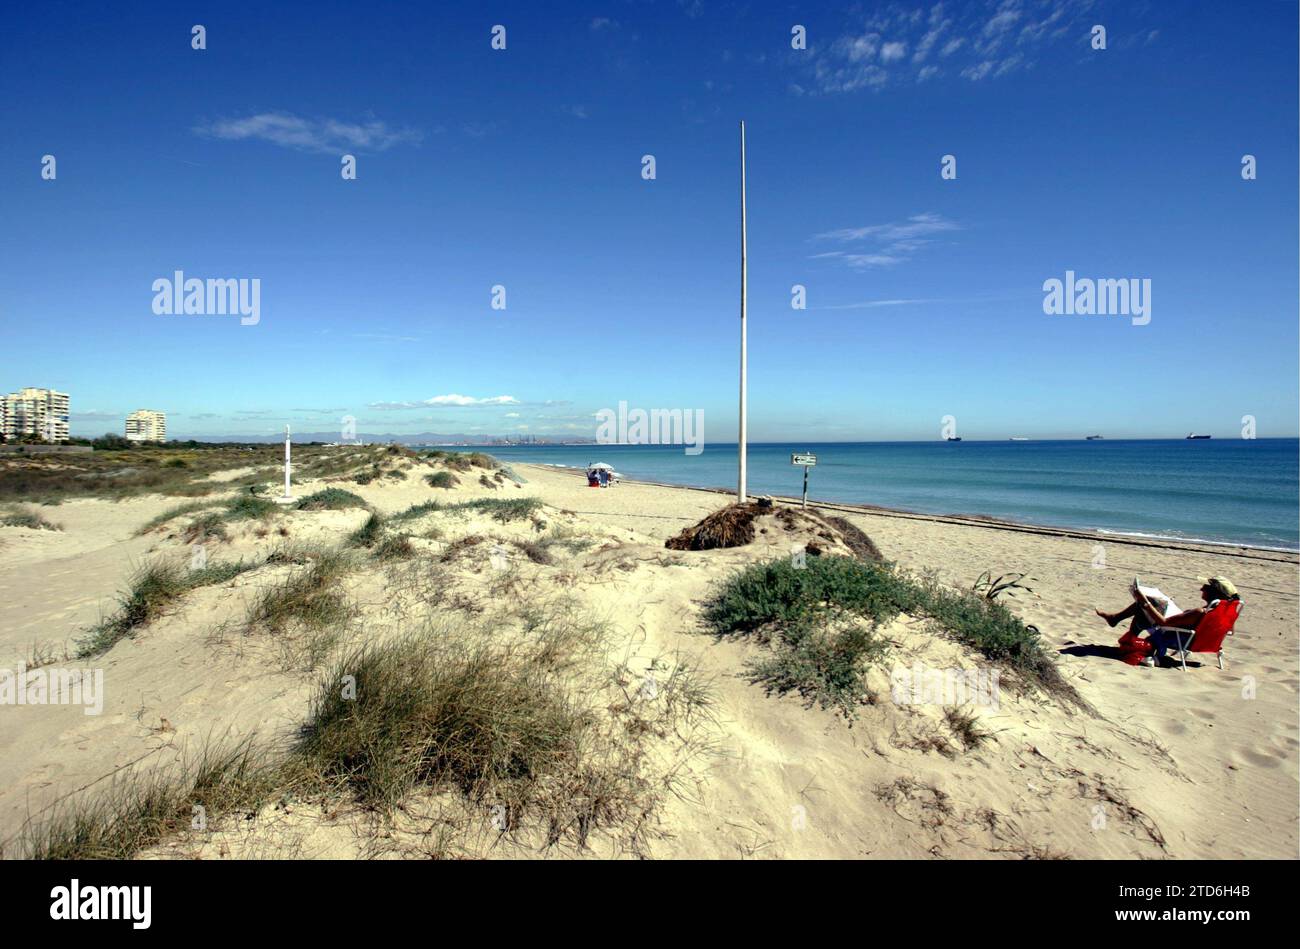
<point>287,455</point>
<point>744,358</point>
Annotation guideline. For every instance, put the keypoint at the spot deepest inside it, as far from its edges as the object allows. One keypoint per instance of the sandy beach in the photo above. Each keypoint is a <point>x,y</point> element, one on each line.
<point>1170,764</point>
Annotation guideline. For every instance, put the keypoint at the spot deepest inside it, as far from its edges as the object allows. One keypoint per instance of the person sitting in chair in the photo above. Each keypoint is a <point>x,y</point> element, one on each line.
<point>1151,609</point>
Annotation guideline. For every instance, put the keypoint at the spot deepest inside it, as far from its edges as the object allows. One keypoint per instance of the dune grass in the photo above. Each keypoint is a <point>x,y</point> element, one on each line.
<point>211,525</point>
<point>521,717</point>
<point>312,598</point>
<point>442,479</point>
<point>154,587</point>
<point>142,808</point>
<point>468,718</point>
<point>418,510</point>
<point>369,533</point>
<point>33,520</point>
<point>331,499</point>
<point>248,507</point>
<point>807,612</point>
<point>500,509</point>
<point>463,461</point>
<point>188,507</point>
<point>394,547</point>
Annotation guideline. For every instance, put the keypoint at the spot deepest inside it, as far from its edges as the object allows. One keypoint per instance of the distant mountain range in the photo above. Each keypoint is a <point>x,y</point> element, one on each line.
<point>420,438</point>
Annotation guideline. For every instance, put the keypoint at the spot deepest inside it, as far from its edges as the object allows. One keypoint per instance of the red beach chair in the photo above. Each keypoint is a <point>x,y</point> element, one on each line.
<point>1208,636</point>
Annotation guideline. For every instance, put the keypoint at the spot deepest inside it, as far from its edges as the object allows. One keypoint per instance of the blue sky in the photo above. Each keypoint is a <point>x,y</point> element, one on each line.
<point>522,167</point>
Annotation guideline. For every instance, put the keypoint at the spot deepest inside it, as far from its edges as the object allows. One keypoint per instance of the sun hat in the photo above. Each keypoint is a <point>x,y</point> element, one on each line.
<point>1220,587</point>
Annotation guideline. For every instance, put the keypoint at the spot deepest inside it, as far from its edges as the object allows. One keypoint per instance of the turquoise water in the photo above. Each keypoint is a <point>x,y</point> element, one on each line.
<point>1231,490</point>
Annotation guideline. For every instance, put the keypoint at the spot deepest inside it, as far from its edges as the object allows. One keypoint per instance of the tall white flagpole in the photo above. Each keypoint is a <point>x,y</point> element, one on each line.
<point>744,357</point>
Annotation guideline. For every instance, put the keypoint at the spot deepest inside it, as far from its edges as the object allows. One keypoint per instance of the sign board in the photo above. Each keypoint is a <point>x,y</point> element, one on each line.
<point>808,460</point>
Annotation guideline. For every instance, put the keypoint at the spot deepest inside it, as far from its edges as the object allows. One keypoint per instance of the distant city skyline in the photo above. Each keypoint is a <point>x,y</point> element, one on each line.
<point>517,176</point>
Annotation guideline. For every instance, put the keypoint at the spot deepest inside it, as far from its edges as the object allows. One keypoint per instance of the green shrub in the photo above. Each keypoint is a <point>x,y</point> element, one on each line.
<point>330,499</point>
<point>442,479</point>
<point>780,592</point>
<point>501,509</point>
<point>418,510</point>
<point>825,664</point>
<point>780,602</point>
<point>247,507</point>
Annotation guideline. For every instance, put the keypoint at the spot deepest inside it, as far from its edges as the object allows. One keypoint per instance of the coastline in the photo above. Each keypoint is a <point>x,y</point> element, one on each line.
<point>1183,765</point>
<point>1099,535</point>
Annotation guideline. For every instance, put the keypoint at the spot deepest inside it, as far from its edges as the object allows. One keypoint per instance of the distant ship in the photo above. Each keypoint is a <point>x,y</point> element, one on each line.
<point>1019,438</point>
<point>954,438</point>
<point>1194,436</point>
<point>1093,438</point>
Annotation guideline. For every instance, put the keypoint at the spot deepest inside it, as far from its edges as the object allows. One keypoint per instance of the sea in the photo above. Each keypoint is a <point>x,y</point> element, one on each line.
<point>1229,491</point>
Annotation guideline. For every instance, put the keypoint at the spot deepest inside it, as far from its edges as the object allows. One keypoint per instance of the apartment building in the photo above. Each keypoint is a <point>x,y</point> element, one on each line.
<point>146,425</point>
<point>42,413</point>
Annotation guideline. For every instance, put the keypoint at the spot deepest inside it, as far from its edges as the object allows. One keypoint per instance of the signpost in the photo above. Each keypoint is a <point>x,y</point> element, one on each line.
<point>808,460</point>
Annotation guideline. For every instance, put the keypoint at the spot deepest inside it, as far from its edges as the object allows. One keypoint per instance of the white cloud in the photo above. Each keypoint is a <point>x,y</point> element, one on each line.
<point>313,135</point>
<point>889,244</point>
<point>872,304</point>
<point>454,400</point>
<point>891,52</point>
<point>987,39</point>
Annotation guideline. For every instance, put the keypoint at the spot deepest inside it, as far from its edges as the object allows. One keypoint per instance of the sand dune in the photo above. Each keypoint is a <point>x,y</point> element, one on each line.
<point>1172,765</point>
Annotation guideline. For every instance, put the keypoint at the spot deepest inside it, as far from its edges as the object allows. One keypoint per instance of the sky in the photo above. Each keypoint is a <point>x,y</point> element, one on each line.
<point>522,168</point>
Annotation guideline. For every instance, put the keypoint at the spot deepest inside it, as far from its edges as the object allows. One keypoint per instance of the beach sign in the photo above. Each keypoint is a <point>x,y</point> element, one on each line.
<point>808,460</point>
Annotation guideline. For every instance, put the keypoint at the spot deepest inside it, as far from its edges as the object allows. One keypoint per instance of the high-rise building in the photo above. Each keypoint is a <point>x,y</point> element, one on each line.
<point>146,425</point>
<point>39,412</point>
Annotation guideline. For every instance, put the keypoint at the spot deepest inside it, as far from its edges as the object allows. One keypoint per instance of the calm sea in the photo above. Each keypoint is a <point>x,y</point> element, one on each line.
<point>1224,490</point>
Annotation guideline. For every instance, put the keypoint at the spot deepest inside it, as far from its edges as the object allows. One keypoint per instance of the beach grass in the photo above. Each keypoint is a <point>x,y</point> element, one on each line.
<point>504,510</point>
<point>142,808</point>
<point>249,507</point>
<point>331,499</point>
<point>188,507</point>
<point>368,534</point>
<point>442,479</point>
<point>32,520</point>
<point>394,547</point>
<point>312,599</point>
<point>153,589</point>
